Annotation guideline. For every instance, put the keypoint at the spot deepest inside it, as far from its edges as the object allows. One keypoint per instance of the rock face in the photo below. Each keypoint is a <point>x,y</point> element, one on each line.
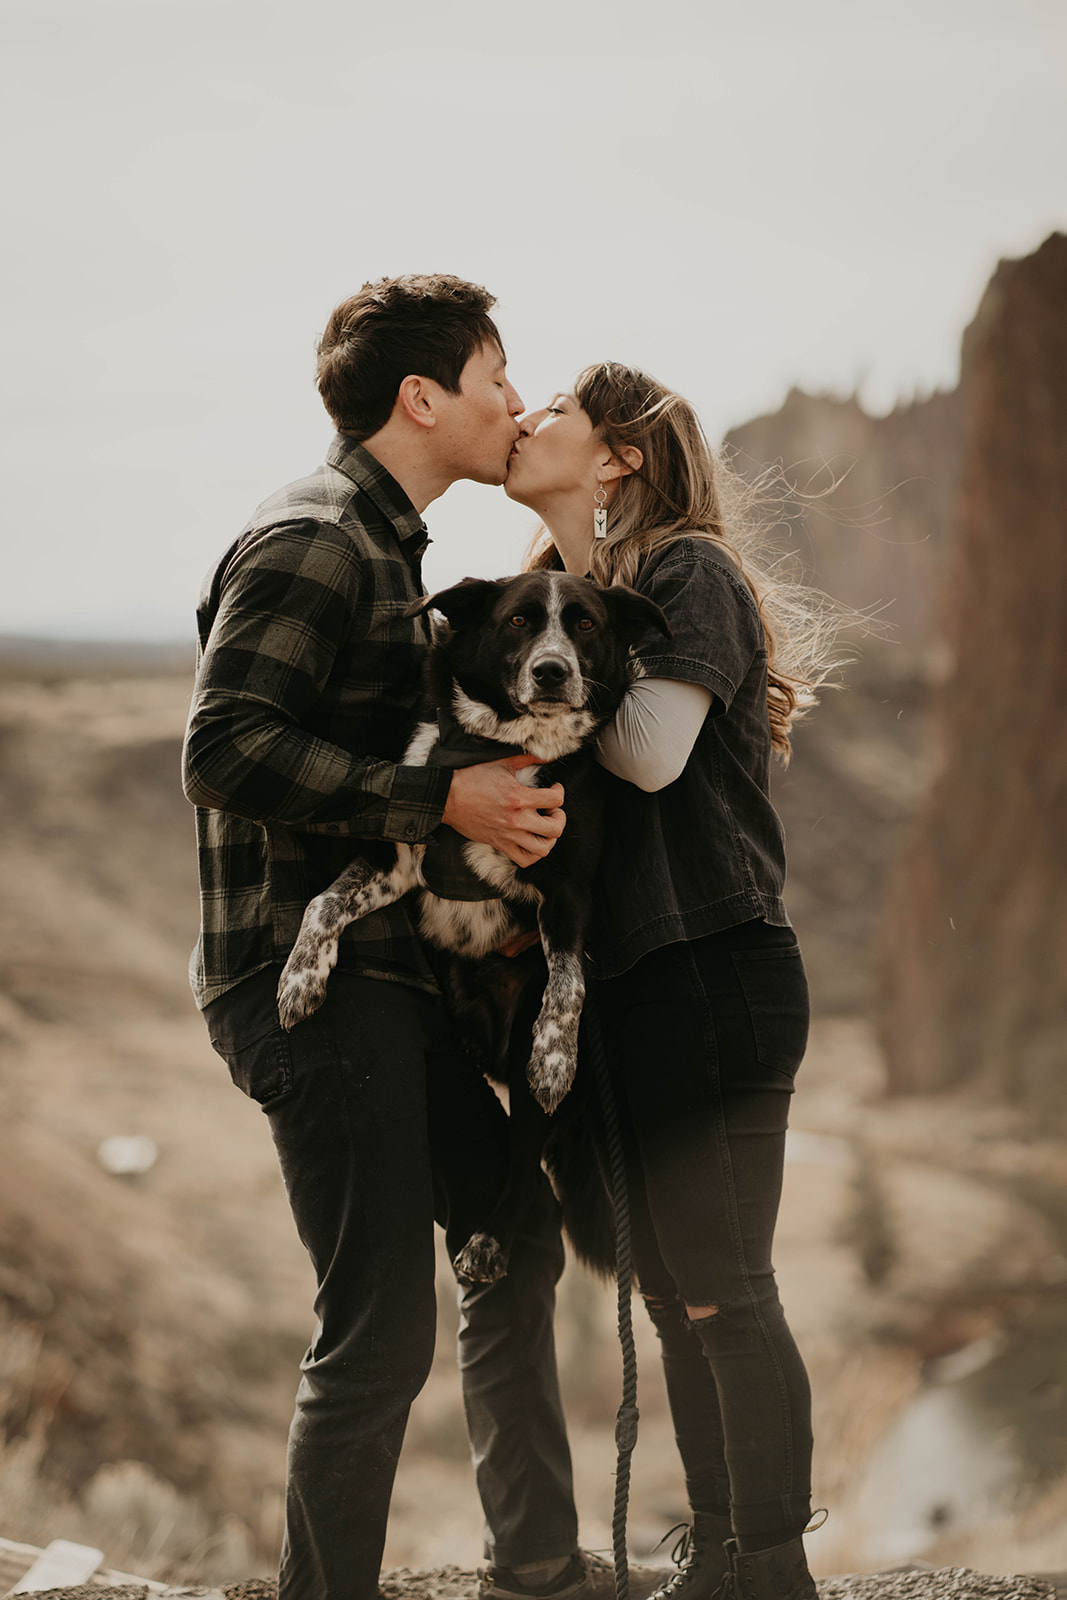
<point>974,960</point>
<point>879,538</point>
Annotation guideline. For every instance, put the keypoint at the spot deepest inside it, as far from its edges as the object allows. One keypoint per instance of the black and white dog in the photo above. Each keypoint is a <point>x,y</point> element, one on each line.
<point>537,663</point>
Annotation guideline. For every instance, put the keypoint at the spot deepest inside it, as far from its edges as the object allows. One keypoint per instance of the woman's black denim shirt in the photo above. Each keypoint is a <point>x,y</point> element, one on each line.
<point>707,851</point>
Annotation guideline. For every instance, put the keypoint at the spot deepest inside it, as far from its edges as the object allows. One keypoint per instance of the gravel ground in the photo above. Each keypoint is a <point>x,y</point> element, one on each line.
<point>939,1583</point>
<point>457,1583</point>
<point>82,1591</point>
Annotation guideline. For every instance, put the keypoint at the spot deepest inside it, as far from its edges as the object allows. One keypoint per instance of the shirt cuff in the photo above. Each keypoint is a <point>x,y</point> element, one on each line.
<point>414,808</point>
<point>687,669</point>
<point>416,803</point>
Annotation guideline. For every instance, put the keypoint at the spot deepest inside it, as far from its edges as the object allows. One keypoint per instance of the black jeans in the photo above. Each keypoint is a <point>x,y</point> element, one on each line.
<point>705,1038</point>
<point>381,1124</point>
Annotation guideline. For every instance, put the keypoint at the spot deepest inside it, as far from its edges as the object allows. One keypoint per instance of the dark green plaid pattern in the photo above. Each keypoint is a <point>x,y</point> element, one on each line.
<point>308,682</point>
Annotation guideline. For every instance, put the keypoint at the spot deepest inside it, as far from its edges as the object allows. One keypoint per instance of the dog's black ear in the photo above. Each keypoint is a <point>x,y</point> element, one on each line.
<point>632,614</point>
<point>466,602</point>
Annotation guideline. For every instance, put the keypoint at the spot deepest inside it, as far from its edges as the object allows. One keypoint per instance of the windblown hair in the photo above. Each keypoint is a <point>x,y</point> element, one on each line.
<point>684,490</point>
<point>429,324</point>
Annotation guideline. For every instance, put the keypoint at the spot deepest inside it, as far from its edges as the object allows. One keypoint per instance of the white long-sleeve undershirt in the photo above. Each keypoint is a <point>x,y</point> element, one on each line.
<point>654,731</point>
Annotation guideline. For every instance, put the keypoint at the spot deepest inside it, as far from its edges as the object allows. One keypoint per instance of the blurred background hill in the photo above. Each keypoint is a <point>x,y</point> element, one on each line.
<point>150,1325</point>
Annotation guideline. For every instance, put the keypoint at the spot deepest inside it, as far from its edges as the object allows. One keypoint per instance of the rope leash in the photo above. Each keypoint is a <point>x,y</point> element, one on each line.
<point>627,1415</point>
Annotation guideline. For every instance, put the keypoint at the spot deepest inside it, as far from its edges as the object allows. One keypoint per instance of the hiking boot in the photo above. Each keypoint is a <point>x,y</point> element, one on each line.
<point>700,1557</point>
<point>777,1574</point>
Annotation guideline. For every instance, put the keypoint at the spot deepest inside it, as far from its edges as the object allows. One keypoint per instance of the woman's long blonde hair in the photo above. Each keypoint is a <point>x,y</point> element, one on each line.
<point>682,490</point>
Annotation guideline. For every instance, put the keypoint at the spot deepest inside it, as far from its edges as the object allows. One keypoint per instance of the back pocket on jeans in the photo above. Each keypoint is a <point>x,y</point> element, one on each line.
<point>251,1041</point>
<point>775,988</point>
<point>262,1070</point>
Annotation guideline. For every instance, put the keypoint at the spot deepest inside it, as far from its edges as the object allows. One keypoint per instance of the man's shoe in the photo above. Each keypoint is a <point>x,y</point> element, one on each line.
<point>643,1580</point>
<point>586,1576</point>
<point>500,1583</point>
<point>701,1558</point>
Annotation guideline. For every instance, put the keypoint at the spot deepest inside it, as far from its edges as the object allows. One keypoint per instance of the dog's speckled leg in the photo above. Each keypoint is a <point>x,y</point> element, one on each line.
<point>554,1057</point>
<point>360,889</point>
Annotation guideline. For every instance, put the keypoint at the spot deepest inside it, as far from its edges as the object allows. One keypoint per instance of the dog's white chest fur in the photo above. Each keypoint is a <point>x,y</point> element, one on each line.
<point>467,927</point>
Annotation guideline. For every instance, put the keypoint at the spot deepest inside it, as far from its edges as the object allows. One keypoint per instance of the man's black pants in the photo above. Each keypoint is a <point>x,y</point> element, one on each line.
<point>381,1124</point>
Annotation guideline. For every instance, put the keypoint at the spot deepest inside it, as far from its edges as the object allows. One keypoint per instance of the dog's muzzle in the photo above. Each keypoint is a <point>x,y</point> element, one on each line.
<point>551,681</point>
<point>551,672</point>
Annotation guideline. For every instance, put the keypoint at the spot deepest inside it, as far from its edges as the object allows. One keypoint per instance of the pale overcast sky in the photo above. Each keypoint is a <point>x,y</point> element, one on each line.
<point>738,197</point>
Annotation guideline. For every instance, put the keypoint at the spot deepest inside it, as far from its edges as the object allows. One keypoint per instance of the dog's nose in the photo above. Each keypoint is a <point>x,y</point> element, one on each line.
<point>550,671</point>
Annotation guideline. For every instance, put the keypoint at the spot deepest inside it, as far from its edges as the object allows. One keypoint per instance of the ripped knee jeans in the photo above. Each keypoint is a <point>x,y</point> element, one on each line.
<point>704,1040</point>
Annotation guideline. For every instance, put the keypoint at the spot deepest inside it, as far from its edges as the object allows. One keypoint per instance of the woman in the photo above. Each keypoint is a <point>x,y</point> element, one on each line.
<point>702,991</point>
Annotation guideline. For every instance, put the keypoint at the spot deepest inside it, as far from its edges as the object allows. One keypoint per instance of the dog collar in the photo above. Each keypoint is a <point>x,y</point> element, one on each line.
<point>456,747</point>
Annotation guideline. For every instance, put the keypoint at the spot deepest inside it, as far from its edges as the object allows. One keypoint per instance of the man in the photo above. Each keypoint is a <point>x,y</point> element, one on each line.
<point>306,691</point>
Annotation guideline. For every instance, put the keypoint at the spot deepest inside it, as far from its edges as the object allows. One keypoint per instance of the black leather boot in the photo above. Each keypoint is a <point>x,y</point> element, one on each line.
<point>701,1560</point>
<point>777,1574</point>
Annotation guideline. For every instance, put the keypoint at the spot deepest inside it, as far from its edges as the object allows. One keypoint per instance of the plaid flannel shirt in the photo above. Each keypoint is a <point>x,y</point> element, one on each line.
<point>308,682</point>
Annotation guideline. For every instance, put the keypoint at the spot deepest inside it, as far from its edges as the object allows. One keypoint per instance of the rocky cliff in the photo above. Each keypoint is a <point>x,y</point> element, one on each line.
<point>974,972</point>
<point>871,521</point>
<point>870,526</point>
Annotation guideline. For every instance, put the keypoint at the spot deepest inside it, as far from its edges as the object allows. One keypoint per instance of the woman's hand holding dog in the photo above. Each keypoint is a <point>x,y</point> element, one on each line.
<point>488,803</point>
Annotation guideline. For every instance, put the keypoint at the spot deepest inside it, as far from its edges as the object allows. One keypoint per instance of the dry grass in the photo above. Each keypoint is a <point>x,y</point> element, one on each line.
<point>142,1523</point>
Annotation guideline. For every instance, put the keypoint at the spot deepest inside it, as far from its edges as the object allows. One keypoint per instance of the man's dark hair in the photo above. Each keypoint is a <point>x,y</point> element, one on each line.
<point>429,324</point>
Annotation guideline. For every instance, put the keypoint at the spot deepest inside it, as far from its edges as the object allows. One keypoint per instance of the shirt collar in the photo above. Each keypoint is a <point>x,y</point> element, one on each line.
<point>381,487</point>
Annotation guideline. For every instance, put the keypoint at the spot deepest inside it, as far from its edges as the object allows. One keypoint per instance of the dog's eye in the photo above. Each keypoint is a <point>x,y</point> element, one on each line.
<point>518,620</point>
<point>585,623</point>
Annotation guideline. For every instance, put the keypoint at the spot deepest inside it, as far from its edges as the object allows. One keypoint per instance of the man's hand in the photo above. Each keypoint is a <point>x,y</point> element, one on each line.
<point>489,804</point>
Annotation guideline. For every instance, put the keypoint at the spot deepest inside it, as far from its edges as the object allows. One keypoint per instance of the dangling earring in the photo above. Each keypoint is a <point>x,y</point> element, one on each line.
<point>600,514</point>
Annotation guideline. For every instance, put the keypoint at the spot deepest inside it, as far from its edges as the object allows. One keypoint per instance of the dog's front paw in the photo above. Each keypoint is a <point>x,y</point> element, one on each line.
<point>550,1072</point>
<point>301,991</point>
<point>481,1259</point>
